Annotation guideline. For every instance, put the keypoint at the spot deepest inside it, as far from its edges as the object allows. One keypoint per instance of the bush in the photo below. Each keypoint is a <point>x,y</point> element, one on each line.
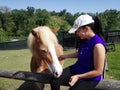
<point>3,35</point>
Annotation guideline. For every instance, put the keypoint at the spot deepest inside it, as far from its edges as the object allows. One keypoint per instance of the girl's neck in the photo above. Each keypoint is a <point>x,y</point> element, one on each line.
<point>90,35</point>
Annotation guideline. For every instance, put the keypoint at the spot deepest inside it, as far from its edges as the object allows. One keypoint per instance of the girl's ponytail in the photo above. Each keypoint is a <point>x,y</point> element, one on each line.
<point>98,26</point>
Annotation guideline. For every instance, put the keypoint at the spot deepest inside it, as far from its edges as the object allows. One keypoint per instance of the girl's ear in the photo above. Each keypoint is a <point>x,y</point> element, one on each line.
<point>35,33</point>
<point>87,28</point>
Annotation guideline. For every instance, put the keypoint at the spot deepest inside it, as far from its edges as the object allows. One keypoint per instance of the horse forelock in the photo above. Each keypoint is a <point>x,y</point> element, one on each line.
<point>49,41</point>
<point>47,36</point>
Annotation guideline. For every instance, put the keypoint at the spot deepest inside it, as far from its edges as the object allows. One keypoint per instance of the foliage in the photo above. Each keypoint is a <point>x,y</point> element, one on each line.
<point>2,35</point>
<point>54,22</point>
<point>64,25</point>
<point>20,22</point>
<point>110,19</point>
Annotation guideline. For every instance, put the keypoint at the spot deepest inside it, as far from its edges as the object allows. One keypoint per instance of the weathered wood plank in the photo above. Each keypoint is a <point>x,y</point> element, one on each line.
<point>27,76</point>
<point>46,78</point>
<point>108,85</point>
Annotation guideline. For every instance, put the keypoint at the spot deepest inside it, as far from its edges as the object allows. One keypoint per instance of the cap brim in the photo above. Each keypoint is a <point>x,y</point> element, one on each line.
<point>72,30</point>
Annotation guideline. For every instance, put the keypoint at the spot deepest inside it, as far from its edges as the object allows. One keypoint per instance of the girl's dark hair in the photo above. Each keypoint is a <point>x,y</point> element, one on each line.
<point>96,26</point>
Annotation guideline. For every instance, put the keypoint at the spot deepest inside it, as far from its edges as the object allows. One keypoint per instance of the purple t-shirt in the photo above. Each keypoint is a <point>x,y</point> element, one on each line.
<point>85,62</point>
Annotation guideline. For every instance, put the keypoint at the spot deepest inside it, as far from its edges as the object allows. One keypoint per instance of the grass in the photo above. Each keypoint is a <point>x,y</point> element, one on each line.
<point>13,60</point>
<point>20,60</point>
<point>114,63</point>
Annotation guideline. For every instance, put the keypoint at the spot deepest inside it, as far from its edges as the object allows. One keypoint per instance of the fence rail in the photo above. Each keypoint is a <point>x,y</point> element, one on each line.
<point>25,75</point>
<point>65,39</point>
<point>46,78</point>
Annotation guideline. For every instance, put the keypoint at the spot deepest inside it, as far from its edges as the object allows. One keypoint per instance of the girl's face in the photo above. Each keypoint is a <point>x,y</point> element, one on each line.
<point>82,33</point>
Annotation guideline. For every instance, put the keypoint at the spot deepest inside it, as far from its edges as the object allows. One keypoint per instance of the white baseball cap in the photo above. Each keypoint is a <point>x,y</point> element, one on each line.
<point>81,21</point>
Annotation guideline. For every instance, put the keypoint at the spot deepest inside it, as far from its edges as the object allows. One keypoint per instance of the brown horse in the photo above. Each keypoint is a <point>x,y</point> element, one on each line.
<point>45,50</point>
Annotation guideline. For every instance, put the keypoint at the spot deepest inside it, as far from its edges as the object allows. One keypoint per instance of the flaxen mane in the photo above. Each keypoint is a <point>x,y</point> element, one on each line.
<point>45,50</point>
<point>46,35</point>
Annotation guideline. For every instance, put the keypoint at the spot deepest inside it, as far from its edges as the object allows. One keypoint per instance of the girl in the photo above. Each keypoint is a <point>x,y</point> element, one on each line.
<point>91,55</point>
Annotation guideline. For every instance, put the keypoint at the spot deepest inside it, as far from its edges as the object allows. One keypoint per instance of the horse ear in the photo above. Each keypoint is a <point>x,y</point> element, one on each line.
<point>35,33</point>
<point>54,30</point>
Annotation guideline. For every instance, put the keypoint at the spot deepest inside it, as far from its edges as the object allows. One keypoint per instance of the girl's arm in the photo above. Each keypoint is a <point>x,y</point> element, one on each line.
<point>65,56</point>
<point>99,59</point>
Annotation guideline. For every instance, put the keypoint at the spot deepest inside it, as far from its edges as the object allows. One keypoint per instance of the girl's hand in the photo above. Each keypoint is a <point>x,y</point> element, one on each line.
<point>73,80</point>
<point>62,57</point>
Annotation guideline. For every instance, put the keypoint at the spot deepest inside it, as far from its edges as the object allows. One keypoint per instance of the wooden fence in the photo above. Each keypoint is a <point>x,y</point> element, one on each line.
<point>65,39</point>
<point>71,40</point>
<point>14,45</point>
<point>113,36</point>
<point>46,78</point>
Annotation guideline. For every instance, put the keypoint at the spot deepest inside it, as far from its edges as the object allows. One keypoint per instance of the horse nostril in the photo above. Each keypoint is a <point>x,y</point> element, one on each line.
<point>56,74</point>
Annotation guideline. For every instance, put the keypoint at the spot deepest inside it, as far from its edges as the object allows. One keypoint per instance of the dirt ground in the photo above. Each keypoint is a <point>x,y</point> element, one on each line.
<point>32,86</point>
<point>47,87</point>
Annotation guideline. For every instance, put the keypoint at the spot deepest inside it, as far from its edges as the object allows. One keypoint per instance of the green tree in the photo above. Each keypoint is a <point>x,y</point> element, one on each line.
<point>69,18</point>
<point>5,18</point>
<point>42,17</point>
<point>19,18</point>
<point>111,20</point>
<point>3,35</point>
<point>62,13</point>
<point>30,11</point>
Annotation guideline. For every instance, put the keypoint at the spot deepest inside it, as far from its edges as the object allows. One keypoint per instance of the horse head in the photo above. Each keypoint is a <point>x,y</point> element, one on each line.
<point>45,49</point>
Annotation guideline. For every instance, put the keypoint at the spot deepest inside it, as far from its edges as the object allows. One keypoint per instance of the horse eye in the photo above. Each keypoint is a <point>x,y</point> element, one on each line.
<point>43,51</point>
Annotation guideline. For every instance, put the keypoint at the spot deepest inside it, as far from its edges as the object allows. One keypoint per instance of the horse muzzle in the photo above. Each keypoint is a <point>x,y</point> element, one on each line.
<point>56,70</point>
